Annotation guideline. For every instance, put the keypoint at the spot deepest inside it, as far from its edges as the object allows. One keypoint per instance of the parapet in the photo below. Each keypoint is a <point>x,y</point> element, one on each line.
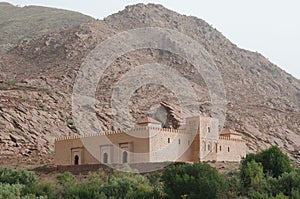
<point>233,139</point>
<point>119,132</point>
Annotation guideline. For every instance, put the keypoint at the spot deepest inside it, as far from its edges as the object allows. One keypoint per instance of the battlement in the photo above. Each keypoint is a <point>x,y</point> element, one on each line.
<point>157,129</point>
<point>148,137</point>
<point>173,130</point>
<point>87,135</point>
<point>135,130</point>
<point>232,139</point>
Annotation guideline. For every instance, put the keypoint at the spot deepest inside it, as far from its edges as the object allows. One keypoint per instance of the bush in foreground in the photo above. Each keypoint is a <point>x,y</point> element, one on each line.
<point>193,181</point>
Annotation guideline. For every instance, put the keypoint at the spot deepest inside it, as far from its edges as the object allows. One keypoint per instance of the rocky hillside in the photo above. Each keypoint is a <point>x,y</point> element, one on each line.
<point>37,77</point>
<point>24,23</point>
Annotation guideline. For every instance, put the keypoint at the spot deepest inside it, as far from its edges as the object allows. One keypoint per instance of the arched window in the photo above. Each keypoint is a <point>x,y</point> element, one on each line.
<point>105,158</point>
<point>228,149</point>
<point>220,148</point>
<point>76,160</point>
<point>203,146</point>
<point>125,156</point>
<point>208,147</point>
<point>178,141</point>
<point>169,140</point>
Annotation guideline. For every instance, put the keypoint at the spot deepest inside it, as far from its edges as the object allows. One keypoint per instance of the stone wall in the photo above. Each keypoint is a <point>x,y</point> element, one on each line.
<point>67,149</point>
<point>197,140</point>
<point>231,149</point>
<point>169,145</point>
<point>209,134</point>
<point>88,148</point>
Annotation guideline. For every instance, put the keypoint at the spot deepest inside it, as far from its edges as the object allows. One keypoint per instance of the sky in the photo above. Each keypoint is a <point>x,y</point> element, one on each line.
<point>270,27</point>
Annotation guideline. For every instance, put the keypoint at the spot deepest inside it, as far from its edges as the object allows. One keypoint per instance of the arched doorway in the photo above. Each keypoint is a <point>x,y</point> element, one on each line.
<point>125,157</point>
<point>76,160</point>
<point>105,158</point>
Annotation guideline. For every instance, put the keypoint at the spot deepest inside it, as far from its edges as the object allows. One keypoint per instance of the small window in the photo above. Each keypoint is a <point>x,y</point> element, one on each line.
<point>76,160</point>
<point>208,129</point>
<point>203,146</point>
<point>220,148</point>
<point>208,147</point>
<point>125,157</point>
<point>178,141</point>
<point>169,140</point>
<point>105,158</point>
<point>228,149</point>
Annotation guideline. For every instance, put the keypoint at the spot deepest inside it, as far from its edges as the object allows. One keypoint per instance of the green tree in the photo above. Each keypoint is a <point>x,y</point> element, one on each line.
<point>252,177</point>
<point>196,180</point>
<point>287,183</point>
<point>273,160</point>
<point>234,184</point>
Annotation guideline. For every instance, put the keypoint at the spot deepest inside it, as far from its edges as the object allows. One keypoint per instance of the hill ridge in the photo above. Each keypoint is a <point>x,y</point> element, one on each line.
<point>24,23</point>
<point>263,100</point>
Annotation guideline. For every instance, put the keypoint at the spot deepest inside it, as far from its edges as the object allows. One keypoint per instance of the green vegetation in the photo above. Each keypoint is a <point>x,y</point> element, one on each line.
<point>274,161</point>
<point>42,105</point>
<point>265,175</point>
<point>70,120</point>
<point>193,181</point>
<point>17,176</point>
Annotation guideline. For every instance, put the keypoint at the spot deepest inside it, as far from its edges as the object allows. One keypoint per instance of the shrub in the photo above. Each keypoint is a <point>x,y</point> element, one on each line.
<point>252,177</point>
<point>193,181</point>
<point>11,176</point>
<point>10,191</point>
<point>39,190</point>
<point>287,183</point>
<point>96,178</point>
<point>259,195</point>
<point>84,191</point>
<point>120,184</point>
<point>66,178</point>
<point>143,191</point>
<point>65,183</point>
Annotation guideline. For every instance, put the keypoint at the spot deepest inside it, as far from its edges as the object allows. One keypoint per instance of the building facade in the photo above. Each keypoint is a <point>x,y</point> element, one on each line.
<point>197,140</point>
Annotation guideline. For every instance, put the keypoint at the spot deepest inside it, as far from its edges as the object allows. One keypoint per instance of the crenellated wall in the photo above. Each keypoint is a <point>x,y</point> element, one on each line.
<point>230,149</point>
<point>197,140</point>
<point>67,149</point>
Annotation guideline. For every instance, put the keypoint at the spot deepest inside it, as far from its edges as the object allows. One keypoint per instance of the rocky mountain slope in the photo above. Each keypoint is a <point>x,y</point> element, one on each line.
<point>37,77</point>
<point>24,23</point>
